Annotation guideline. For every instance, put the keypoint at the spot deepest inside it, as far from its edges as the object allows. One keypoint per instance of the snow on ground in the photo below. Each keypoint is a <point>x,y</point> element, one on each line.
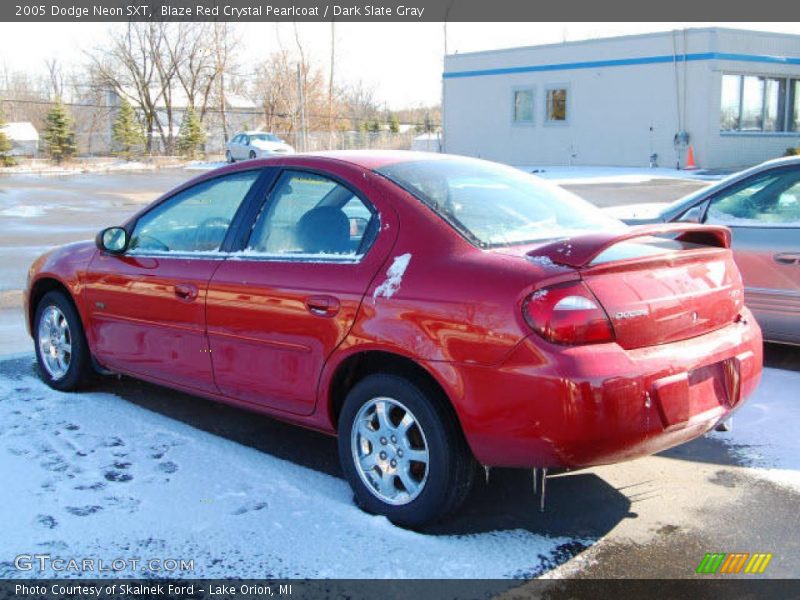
<point>48,168</point>
<point>92,475</point>
<point>565,175</point>
<point>204,165</point>
<point>765,430</point>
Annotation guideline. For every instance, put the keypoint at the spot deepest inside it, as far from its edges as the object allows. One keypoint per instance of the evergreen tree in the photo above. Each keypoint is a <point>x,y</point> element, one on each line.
<point>6,160</point>
<point>59,134</point>
<point>127,132</point>
<point>374,126</point>
<point>191,135</point>
<point>394,124</point>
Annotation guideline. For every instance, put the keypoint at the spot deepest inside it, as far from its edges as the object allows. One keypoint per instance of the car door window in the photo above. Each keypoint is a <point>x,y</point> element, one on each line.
<point>772,200</point>
<point>194,220</point>
<point>309,216</point>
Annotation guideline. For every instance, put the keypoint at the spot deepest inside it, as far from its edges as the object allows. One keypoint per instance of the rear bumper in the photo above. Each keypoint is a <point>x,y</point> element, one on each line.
<point>552,406</point>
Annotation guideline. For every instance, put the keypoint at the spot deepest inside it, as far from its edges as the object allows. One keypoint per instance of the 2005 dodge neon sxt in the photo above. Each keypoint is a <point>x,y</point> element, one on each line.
<point>433,311</point>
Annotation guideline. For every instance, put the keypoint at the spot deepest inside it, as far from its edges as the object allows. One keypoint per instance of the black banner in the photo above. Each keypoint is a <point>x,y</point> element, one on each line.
<point>392,10</point>
<point>394,589</point>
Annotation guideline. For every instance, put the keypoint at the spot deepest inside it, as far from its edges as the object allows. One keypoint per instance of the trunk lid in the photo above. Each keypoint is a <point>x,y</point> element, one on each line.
<point>657,283</point>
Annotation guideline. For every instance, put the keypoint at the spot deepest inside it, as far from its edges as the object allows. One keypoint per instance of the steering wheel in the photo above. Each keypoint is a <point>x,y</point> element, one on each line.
<point>207,234</point>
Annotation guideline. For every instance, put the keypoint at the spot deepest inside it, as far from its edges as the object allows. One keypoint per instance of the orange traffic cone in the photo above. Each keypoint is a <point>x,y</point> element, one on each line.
<point>690,164</point>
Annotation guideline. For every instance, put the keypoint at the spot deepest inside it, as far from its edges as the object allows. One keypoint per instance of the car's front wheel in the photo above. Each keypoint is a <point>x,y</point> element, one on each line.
<point>229,157</point>
<point>61,349</point>
<point>252,154</point>
<point>402,451</point>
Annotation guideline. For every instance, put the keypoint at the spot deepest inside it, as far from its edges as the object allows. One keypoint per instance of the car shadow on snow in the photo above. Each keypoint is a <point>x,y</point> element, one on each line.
<point>579,506</point>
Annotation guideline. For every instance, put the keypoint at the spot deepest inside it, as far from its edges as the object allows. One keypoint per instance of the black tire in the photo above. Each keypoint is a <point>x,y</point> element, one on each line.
<point>229,157</point>
<point>252,154</point>
<point>451,467</point>
<point>79,372</point>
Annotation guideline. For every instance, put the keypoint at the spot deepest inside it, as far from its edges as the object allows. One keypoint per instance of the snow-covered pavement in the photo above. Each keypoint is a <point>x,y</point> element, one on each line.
<point>94,475</point>
<point>585,175</point>
<point>765,431</point>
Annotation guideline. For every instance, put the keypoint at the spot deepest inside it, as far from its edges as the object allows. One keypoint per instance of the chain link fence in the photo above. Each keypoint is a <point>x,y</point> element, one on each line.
<point>93,138</point>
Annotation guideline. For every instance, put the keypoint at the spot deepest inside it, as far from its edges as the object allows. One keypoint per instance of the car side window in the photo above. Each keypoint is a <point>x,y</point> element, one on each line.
<point>194,220</point>
<point>310,216</point>
<point>772,200</point>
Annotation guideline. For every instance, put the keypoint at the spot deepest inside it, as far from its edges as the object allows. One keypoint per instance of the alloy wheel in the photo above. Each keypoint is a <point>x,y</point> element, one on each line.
<point>55,342</point>
<point>389,451</point>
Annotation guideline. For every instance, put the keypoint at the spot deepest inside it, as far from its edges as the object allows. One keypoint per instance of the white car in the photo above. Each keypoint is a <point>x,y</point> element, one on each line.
<point>255,144</point>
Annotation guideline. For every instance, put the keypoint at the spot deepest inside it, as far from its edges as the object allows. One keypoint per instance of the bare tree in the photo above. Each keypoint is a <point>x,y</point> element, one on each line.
<point>224,48</point>
<point>56,76</point>
<point>163,68</point>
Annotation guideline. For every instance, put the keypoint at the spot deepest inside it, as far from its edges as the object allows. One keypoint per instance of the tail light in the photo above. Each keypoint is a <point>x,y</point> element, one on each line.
<point>568,314</point>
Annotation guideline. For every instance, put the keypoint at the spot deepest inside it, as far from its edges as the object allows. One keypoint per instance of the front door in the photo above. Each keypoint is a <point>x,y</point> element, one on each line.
<point>147,306</point>
<point>277,311</point>
<point>764,214</point>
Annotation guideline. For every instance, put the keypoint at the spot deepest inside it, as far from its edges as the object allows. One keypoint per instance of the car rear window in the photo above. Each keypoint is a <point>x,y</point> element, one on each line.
<point>495,205</point>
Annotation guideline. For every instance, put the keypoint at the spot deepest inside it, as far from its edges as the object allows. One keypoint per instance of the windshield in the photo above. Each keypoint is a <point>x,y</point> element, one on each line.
<point>495,205</point>
<point>265,137</point>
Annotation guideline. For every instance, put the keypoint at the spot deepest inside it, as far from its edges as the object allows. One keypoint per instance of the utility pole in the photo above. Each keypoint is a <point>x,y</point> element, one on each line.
<point>330,86</point>
<point>302,104</point>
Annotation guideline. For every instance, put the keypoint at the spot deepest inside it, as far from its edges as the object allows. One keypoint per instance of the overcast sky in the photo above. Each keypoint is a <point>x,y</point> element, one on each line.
<point>402,61</point>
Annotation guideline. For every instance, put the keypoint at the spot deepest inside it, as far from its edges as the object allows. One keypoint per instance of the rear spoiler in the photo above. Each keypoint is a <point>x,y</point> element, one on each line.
<point>580,251</point>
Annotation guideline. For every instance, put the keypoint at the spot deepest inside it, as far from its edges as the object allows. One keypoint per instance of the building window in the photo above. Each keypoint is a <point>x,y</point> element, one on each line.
<point>523,105</point>
<point>756,103</point>
<point>794,105</point>
<point>556,105</point>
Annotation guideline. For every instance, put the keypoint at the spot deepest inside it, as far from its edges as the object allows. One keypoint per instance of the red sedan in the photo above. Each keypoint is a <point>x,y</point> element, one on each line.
<point>434,311</point>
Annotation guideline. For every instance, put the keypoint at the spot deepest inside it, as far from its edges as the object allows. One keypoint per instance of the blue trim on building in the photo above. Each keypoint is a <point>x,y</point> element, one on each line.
<point>624,62</point>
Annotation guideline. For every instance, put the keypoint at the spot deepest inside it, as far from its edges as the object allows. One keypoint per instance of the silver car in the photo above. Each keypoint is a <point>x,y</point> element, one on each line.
<point>762,208</point>
<point>255,144</point>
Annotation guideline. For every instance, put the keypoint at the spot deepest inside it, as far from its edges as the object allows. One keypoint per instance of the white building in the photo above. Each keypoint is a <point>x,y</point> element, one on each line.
<point>618,101</point>
<point>24,138</point>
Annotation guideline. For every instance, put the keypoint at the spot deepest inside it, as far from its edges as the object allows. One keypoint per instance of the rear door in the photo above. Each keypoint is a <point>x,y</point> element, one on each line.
<point>277,310</point>
<point>147,307</point>
<point>764,214</point>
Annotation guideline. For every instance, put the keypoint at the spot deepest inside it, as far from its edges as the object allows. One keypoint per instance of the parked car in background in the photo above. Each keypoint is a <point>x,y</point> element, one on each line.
<point>435,312</point>
<point>761,206</point>
<point>255,144</point>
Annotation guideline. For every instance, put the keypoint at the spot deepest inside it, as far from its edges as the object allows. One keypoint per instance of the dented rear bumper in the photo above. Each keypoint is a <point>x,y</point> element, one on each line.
<point>556,406</point>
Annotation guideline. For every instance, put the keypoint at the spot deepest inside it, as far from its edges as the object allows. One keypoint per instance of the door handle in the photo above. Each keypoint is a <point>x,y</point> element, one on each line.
<point>787,258</point>
<point>322,306</point>
<point>186,291</point>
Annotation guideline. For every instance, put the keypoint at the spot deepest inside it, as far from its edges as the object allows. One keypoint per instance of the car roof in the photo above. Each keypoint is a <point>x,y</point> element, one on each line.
<point>375,159</point>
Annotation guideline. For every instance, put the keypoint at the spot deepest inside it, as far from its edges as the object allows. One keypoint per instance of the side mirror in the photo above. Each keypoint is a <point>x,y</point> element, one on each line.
<point>113,240</point>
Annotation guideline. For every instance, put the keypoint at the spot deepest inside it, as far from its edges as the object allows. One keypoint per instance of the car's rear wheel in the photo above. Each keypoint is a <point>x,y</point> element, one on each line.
<point>402,451</point>
<point>229,157</point>
<point>61,349</point>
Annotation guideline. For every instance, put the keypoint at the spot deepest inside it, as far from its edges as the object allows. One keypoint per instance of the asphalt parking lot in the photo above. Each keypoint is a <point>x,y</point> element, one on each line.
<point>653,517</point>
